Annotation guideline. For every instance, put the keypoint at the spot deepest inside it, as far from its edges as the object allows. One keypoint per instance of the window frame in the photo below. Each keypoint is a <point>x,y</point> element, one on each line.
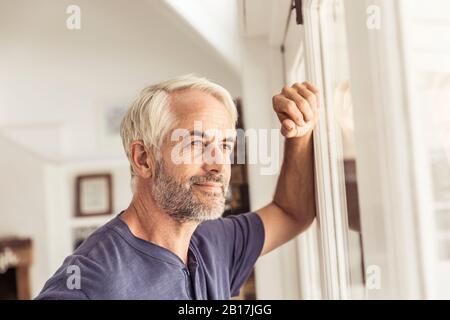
<point>397,219</point>
<point>393,197</point>
<point>330,180</point>
<point>328,243</point>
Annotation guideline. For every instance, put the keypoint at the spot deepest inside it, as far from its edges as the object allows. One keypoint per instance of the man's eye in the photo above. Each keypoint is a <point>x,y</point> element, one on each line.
<point>197,143</point>
<point>227,147</point>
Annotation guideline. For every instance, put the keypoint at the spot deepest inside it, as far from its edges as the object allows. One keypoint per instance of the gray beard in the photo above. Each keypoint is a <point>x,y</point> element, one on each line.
<point>179,200</point>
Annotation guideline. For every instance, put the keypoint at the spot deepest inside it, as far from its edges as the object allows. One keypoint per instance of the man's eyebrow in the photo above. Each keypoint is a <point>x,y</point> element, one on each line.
<point>230,139</point>
<point>202,135</point>
<point>197,133</point>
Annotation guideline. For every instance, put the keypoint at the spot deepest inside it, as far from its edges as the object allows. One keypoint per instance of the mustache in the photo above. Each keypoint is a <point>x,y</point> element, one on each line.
<point>208,178</point>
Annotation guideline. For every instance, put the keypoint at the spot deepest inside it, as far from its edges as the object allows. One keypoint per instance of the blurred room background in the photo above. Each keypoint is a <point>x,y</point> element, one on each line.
<point>382,148</point>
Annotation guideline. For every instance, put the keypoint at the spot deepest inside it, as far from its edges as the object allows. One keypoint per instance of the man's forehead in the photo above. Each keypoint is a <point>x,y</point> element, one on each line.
<point>201,113</point>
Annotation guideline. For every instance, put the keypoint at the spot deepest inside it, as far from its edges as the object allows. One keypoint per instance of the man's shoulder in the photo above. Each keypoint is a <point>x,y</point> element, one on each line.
<point>90,265</point>
<point>99,244</point>
<point>73,278</point>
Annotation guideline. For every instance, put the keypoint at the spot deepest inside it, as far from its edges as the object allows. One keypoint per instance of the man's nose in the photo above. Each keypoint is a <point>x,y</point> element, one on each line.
<point>215,160</point>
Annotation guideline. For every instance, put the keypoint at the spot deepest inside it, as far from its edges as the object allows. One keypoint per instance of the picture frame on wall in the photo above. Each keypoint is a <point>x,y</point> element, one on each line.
<point>93,195</point>
<point>82,233</point>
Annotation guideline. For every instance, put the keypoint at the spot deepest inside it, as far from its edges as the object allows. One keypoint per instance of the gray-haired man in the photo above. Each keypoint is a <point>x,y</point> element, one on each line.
<point>171,243</point>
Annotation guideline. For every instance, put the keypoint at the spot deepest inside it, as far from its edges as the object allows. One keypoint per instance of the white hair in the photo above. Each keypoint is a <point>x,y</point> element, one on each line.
<point>150,119</point>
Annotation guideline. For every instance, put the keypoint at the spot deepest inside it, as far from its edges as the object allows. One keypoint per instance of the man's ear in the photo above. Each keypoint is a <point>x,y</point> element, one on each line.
<point>143,159</point>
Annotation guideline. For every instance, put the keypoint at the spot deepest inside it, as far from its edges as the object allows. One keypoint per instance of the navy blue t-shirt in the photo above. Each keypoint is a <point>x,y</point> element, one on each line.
<point>114,264</point>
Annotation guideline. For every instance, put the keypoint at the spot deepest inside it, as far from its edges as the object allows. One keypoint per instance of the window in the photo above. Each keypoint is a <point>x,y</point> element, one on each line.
<point>308,243</point>
<point>342,139</point>
<point>427,31</point>
<point>399,72</point>
<point>382,148</point>
<point>332,248</point>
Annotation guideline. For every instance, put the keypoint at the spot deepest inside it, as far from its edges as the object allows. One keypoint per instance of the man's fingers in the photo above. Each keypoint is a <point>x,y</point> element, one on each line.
<point>288,107</point>
<point>302,103</point>
<point>311,87</point>
<point>309,96</point>
<point>314,90</point>
<point>297,108</point>
<point>288,128</point>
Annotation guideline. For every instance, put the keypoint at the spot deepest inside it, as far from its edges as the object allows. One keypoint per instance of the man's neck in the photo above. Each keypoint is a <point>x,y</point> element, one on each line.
<point>148,222</point>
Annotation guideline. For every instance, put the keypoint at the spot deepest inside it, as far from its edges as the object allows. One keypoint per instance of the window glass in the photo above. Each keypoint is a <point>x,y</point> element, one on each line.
<point>428,30</point>
<point>308,243</point>
<point>339,81</point>
<point>337,233</point>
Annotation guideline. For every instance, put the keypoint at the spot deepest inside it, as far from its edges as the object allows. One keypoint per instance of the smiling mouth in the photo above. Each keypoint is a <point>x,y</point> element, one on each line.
<point>210,187</point>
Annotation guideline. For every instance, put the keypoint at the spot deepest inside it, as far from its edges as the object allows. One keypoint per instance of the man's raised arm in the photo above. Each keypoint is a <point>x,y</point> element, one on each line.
<point>293,207</point>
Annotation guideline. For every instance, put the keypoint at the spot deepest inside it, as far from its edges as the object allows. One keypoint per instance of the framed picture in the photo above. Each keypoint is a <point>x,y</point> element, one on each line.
<point>93,195</point>
<point>82,233</point>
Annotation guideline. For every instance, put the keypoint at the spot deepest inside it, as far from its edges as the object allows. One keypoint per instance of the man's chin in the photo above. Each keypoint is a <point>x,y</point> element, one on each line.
<point>208,217</point>
<point>210,214</point>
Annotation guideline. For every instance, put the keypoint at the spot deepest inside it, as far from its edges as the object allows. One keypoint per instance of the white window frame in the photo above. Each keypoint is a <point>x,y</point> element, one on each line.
<point>397,218</point>
<point>330,181</point>
<point>393,191</point>
<point>310,268</point>
<point>324,247</point>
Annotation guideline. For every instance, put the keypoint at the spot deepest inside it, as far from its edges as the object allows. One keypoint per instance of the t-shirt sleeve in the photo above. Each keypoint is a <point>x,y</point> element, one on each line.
<point>240,238</point>
<point>248,231</point>
<point>57,291</point>
<point>72,280</point>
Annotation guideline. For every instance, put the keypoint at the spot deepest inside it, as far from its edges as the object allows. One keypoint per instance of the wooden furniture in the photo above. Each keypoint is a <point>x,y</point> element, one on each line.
<point>15,261</point>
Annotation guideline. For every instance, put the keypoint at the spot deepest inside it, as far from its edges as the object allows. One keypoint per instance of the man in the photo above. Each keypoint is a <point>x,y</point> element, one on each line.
<point>171,243</point>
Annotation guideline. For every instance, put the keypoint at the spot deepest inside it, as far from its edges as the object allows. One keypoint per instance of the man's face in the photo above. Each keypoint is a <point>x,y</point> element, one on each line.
<point>194,189</point>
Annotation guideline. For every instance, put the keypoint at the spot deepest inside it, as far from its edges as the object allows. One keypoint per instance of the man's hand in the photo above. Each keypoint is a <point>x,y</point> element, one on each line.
<point>293,208</point>
<point>297,107</point>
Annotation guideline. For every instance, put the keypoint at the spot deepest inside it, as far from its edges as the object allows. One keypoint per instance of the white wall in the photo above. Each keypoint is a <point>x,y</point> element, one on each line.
<point>62,77</point>
<point>54,83</point>
<point>217,22</point>
<point>22,200</point>
<point>60,215</point>
<point>262,77</point>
